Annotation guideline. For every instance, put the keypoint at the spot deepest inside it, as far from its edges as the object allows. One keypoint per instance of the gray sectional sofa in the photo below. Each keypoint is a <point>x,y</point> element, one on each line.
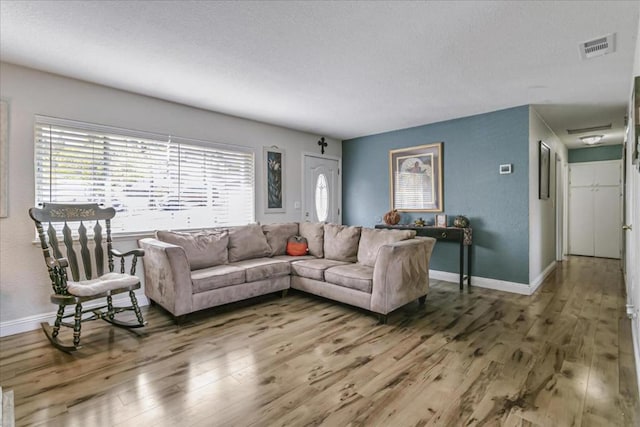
<point>378,270</point>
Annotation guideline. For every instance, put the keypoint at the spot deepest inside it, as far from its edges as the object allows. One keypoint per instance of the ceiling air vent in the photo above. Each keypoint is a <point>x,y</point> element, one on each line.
<point>598,47</point>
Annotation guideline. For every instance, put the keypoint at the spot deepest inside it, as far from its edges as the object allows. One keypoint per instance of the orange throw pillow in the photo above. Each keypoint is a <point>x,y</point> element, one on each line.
<point>297,246</point>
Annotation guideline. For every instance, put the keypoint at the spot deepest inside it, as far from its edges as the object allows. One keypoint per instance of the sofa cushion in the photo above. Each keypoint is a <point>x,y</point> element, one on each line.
<point>277,235</point>
<point>247,241</point>
<point>314,233</point>
<point>216,277</point>
<point>263,268</point>
<point>341,242</point>
<point>313,268</point>
<point>372,239</point>
<point>203,248</point>
<point>352,276</point>
<point>292,258</point>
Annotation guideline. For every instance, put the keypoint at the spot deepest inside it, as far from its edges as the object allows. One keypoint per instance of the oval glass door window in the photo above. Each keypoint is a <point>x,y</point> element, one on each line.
<point>322,198</point>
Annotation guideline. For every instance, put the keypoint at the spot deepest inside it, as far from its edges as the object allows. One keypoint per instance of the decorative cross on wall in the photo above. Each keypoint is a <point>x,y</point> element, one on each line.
<point>322,144</point>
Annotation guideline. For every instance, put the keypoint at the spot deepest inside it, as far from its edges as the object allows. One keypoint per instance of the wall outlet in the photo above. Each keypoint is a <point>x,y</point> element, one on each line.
<point>296,205</point>
<point>505,169</point>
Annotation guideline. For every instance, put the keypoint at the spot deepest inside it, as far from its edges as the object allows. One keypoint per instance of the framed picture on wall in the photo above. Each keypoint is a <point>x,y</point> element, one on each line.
<point>415,177</point>
<point>544,168</point>
<point>274,179</point>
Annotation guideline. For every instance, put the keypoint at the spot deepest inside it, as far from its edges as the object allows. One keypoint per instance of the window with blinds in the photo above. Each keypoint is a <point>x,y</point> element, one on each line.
<point>153,181</point>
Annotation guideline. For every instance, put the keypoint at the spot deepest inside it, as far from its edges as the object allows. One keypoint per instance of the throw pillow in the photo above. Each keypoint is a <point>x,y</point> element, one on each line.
<point>314,233</point>
<point>341,242</point>
<point>277,236</point>
<point>203,248</point>
<point>372,239</point>
<point>247,241</point>
<point>297,246</point>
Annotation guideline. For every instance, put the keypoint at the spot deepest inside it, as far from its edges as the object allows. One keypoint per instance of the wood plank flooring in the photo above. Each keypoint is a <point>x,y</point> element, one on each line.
<point>562,357</point>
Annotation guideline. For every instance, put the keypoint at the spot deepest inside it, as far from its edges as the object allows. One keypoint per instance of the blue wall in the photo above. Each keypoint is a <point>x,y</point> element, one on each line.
<point>474,147</point>
<point>595,154</point>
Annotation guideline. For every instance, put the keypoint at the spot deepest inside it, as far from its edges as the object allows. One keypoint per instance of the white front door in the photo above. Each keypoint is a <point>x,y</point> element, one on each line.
<point>322,200</point>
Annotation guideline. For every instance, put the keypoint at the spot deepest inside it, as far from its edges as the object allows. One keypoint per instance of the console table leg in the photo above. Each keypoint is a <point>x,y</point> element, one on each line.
<point>469,265</point>
<point>422,299</point>
<point>461,265</point>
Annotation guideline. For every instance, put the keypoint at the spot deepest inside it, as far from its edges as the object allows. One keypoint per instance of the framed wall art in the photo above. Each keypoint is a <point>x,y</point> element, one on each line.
<point>544,167</point>
<point>274,179</point>
<point>415,177</point>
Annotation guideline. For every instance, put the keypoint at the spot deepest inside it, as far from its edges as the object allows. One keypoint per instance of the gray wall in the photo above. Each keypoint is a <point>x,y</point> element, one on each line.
<point>595,154</point>
<point>24,282</point>
<point>474,147</point>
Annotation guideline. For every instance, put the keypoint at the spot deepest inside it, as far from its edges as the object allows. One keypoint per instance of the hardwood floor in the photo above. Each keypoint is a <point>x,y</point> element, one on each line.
<point>562,357</point>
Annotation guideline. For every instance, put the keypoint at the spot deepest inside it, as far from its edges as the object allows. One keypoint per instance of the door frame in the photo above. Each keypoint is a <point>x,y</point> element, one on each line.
<point>306,154</point>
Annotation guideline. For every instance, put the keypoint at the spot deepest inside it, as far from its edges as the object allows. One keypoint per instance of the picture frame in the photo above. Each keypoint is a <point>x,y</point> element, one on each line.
<point>274,180</point>
<point>4,158</point>
<point>544,168</point>
<point>441,220</point>
<point>415,178</point>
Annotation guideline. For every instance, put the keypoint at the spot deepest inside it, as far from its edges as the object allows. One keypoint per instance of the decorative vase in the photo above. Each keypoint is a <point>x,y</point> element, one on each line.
<point>461,221</point>
<point>392,217</point>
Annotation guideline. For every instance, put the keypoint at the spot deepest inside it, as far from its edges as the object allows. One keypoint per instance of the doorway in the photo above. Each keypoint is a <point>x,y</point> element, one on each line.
<point>321,187</point>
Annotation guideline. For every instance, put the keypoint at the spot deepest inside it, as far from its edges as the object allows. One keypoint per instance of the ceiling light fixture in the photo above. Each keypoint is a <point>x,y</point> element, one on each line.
<point>591,139</point>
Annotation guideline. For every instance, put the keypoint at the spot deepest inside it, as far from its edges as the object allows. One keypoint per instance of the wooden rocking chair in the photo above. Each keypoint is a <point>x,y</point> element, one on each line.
<point>91,286</point>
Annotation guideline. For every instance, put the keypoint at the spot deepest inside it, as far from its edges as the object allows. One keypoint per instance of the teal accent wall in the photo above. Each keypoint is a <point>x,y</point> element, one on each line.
<point>474,147</point>
<point>595,154</point>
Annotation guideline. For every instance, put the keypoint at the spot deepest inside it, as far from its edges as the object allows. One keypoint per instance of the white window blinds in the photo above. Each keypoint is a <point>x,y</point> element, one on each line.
<point>153,181</point>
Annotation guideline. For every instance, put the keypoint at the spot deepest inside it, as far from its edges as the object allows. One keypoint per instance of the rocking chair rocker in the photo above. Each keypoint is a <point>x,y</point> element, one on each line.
<point>78,291</point>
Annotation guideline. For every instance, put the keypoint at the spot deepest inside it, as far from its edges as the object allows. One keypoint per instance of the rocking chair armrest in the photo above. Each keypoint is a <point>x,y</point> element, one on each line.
<point>136,252</point>
<point>57,262</point>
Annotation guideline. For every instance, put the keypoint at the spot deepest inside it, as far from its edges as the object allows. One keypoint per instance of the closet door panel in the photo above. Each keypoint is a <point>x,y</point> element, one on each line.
<point>607,217</point>
<point>581,221</point>
<point>581,175</point>
<point>607,173</point>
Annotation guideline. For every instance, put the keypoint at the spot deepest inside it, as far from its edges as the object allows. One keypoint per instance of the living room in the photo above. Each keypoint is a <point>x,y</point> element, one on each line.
<point>516,245</point>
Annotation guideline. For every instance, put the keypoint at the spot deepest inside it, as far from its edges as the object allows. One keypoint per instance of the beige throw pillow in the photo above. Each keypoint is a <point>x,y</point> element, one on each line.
<point>341,242</point>
<point>277,236</point>
<point>372,239</point>
<point>246,242</point>
<point>202,248</point>
<point>314,233</point>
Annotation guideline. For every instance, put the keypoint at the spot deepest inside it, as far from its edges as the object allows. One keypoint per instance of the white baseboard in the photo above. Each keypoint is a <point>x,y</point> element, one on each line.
<point>535,283</point>
<point>635,336</point>
<point>31,323</point>
<point>483,282</point>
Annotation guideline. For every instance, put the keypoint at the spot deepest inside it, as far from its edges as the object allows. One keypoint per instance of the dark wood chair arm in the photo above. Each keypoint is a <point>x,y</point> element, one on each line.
<point>60,262</point>
<point>136,252</point>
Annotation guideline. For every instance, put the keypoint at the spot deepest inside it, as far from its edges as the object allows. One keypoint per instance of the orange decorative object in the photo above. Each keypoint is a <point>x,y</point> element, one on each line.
<point>297,246</point>
<point>392,217</point>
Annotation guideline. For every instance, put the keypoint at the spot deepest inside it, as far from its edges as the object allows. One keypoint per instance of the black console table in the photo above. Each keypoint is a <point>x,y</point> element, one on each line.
<point>462,236</point>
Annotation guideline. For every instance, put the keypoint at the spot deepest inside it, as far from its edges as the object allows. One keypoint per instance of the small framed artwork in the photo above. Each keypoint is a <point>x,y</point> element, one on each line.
<point>274,179</point>
<point>441,220</point>
<point>415,177</point>
<point>544,166</point>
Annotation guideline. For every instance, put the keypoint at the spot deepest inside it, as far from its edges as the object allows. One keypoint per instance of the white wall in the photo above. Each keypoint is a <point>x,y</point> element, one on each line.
<point>24,283</point>
<point>542,213</point>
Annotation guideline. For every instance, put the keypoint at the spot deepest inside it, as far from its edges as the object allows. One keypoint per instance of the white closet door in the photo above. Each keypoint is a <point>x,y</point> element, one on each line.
<point>607,217</point>
<point>607,173</point>
<point>581,175</point>
<point>581,221</point>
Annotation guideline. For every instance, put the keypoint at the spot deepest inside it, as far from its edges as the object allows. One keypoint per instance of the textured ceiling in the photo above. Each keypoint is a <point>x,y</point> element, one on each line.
<point>340,69</point>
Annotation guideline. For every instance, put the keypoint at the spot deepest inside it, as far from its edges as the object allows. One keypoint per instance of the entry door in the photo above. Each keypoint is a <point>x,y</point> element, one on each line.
<point>321,190</point>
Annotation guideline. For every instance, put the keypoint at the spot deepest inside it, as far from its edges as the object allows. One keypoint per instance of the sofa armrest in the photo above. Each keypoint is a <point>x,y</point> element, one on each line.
<point>167,276</point>
<point>401,273</point>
